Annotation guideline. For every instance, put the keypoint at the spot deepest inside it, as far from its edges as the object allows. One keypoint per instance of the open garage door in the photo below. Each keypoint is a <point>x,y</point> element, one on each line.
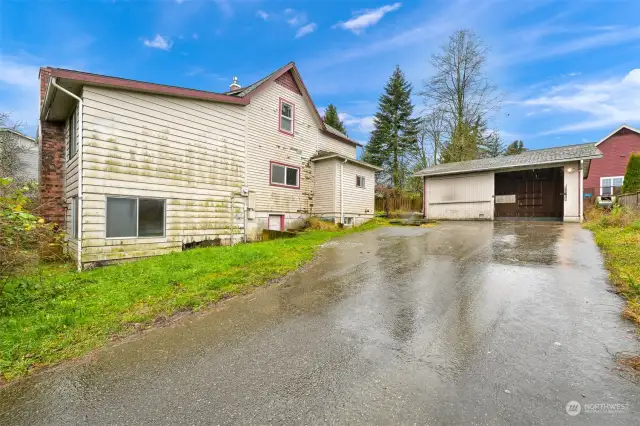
<point>529,194</point>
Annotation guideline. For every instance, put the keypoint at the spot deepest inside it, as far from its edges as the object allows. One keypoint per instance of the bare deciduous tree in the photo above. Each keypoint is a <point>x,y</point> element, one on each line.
<point>12,162</point>
<point>461,90</point>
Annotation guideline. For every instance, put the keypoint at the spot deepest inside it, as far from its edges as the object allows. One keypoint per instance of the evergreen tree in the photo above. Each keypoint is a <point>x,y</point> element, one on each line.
<point>491,146</point>
<point>631,181</point>
<point>394,138</point>
<point>515,147</point>
<point>463,145</point>
<point>332,119</point>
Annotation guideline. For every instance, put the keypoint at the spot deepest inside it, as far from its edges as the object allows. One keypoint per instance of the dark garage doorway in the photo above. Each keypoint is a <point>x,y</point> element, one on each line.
<point>530,194</point>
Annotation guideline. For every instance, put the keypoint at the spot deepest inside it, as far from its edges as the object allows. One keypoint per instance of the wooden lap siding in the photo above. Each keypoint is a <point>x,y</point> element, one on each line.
<point>265,143</point>
<point>71,185</point>
<point>189,152</point>
<point>324,200</point>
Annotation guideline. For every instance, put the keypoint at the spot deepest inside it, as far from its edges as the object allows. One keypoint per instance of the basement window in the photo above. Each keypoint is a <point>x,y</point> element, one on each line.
<point>135,217</point>
<point>360,181</point>
<point>287,114</point>
<point>285,175</point>
<point>610,185</point>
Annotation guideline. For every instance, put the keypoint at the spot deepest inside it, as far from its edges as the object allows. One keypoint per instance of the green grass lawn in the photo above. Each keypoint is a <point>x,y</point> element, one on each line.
<point>57,314</point>
<point>618,236</point>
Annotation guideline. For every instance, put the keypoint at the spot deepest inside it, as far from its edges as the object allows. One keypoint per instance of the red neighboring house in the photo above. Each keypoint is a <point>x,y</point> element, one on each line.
<point>606,174</point>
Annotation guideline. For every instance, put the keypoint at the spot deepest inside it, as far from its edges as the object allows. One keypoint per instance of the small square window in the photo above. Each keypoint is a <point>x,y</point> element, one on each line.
<point>348,221</point>
<point>360,181</point>
<point>287,116</point>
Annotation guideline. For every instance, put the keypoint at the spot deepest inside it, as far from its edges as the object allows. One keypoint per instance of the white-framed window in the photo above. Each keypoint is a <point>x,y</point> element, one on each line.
<point>284,175</point>
<point>608,185</point>
<point>348,221</point>
<point>73,138</point>
<point>360,181</point>
<point>286,116</point>
<point>74,217</point>
<point>135,217</point>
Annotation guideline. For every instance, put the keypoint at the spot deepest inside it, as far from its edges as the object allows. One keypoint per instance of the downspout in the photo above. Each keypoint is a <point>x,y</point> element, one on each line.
<point>342,191</point>
<point>581,191</point>
<point>80,149</point>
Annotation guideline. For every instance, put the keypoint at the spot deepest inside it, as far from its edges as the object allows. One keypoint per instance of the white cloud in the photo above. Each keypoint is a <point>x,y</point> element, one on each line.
<point>307,29</point>
<point>604,103</point>
<point>225,7</point>
<point>18,74</point>
<point>362,124</point>
<point>159,42</point>
<point>19,87</point>
<point>295,18</point>
<point>367,18</point>
<point>262,14</point>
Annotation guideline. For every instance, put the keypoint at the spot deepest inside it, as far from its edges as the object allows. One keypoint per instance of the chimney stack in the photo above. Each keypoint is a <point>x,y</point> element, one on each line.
<point>234,85</point>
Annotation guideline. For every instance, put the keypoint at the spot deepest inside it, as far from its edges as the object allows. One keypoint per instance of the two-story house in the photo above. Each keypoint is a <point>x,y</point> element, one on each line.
<point>134,169</point>
<point>607,173</point>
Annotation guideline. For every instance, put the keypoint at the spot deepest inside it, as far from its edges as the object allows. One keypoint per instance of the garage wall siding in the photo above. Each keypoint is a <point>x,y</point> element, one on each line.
<point>468,196</point>
<point>572,184</point>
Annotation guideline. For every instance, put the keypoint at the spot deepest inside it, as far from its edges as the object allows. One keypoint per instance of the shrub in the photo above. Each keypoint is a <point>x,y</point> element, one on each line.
<point>319,224</point>
<point>632,175</point>
<point>24,236</point>
<point>620,216</point>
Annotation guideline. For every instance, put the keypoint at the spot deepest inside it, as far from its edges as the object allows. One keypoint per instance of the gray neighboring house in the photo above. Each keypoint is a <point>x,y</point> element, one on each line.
<point>538,184</point>
<point>30,154</point>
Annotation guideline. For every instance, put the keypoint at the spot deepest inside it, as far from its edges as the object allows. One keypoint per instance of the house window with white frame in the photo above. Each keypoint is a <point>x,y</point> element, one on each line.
<point>74,217</point>
<point>610,185</point>
<point>360,181</point>
<point>285,175</point>
<point>135,217</point>
<point>73,139</point>
<point>287,115</point>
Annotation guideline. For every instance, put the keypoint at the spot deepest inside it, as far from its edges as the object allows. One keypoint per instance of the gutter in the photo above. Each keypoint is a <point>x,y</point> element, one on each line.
<point>79,147</point>
<point>342,190</point>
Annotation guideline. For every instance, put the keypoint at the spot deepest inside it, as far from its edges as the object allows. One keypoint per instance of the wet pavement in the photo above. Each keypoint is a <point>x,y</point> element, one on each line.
<point>463,323</point>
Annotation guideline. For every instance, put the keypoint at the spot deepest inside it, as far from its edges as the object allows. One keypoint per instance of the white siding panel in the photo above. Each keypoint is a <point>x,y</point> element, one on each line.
<point>328,143</point>
<point>189,152</point>
<point>324,201</point>
<point>358,202</point>
<point>468,196</point>
<point>71,185</point>
<point>572,184</point>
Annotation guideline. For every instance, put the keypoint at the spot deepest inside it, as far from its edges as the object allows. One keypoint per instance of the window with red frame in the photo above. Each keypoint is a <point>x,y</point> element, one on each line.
<point>287,112</point>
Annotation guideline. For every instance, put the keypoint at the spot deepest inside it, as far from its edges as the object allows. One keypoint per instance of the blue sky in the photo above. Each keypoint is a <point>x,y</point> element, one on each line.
<point>569,70</point>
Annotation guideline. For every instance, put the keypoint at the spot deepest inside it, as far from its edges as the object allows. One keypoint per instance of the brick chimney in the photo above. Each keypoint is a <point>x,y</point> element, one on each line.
<point>52,161</point>
<point>234,85</point>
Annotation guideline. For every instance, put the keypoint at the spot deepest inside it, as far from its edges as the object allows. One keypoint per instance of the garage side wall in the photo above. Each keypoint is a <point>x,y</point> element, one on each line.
<point>461,197</point>
<point>573,197</point>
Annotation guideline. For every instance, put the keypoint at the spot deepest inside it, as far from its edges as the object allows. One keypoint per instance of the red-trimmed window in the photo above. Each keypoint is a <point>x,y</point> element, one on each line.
<point>284,175</point>
<point>286,117</point>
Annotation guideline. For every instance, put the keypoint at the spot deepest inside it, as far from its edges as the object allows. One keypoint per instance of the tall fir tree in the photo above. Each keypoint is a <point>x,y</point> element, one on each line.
<point>515,147</point>
<point>394,138</point>
<point>491,146</point>
<point>332,118</point>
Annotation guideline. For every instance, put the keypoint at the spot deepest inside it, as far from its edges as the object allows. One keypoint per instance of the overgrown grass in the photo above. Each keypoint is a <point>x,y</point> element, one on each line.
<point>57,314</point>
<point>617,233</point>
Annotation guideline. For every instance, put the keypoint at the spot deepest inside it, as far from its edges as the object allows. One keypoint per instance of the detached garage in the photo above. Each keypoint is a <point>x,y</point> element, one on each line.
<point>544,184</point>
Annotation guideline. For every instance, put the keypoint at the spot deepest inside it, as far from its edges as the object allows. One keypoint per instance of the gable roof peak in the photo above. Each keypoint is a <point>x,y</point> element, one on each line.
<point>621,127</point>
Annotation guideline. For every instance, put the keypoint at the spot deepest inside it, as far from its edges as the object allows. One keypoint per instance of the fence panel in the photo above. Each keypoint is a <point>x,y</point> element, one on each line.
<point>404,204</point>
<point>630,200</point>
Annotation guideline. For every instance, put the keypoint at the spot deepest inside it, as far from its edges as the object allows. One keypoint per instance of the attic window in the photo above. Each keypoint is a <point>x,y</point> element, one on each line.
<point>287,115</point>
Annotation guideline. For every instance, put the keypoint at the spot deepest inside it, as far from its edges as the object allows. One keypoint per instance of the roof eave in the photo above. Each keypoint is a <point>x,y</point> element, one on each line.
<point>351,160</point>
<point>138,86</point>
<point>493,169</point>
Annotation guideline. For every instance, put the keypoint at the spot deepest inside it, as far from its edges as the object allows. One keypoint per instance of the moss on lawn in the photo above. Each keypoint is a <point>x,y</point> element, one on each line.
<point>57,314</point>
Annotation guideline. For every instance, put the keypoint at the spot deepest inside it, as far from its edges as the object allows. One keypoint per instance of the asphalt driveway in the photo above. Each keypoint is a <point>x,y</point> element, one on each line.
<point>464,323</point>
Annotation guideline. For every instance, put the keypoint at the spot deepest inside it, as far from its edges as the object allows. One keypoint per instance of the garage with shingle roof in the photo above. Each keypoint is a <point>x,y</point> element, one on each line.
<point>544,184</point>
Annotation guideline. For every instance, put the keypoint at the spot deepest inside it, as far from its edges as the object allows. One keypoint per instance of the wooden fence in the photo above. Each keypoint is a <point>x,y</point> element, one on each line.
<point>630,200</point>
<point>405,204</point>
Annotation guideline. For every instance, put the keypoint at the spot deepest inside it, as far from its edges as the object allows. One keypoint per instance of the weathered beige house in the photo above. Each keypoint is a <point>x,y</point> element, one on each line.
<point>137,169</point>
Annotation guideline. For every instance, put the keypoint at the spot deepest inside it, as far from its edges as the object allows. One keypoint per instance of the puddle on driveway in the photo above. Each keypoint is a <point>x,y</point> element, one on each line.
<point>397,325</point>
